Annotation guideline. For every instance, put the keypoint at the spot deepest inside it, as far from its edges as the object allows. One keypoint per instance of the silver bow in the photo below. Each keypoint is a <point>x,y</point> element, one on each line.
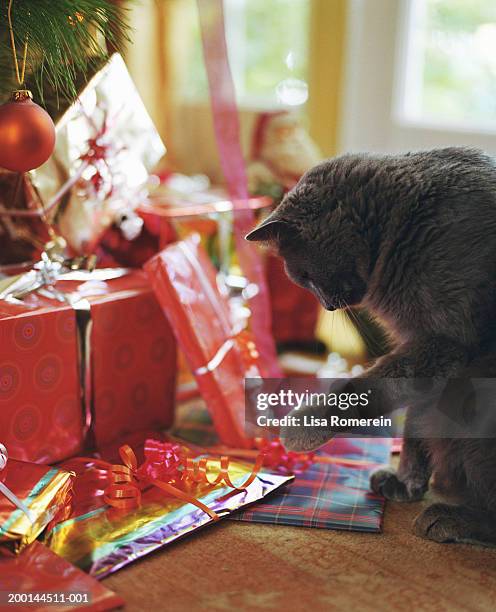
<point>45,273</point>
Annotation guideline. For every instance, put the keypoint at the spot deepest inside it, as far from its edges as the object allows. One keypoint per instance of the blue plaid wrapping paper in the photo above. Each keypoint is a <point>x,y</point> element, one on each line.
<point>330,495</point>
<point>333,493</point>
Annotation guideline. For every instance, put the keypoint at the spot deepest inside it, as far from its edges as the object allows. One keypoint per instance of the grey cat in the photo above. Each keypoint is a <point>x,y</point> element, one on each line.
<point>413,239</point>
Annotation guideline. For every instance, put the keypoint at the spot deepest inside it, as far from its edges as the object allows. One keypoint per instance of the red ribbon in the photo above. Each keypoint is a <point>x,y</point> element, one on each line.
<point>97,155</point>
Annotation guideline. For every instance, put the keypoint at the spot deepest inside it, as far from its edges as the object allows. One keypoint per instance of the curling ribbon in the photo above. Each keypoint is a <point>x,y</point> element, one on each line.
<point>12,497</point>
<point>276,456</point>
<point>164,463</point>
<point>188,469</point>
<point>273,455</point>
<point>227,132</point>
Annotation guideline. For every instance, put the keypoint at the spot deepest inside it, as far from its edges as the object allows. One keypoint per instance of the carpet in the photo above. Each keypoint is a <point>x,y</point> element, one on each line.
<point>252,567</point>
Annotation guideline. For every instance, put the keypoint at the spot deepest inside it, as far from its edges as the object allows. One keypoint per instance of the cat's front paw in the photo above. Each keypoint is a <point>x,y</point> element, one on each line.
<point>446,523</point>
<point>385,482</point>
<point>438,523</point>
<point>306,437</point>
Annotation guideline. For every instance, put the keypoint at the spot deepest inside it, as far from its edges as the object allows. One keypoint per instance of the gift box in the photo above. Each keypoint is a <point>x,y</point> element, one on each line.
<point>122,512</point>
<point>43,581</point>
<point>31,496</point>
<point>219,351</point>
<point>333,492</point>
<point>106,147</point>
<point>87,371</point>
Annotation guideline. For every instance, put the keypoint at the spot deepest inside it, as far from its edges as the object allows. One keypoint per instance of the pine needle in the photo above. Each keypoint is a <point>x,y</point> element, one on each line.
<point>64,38</point>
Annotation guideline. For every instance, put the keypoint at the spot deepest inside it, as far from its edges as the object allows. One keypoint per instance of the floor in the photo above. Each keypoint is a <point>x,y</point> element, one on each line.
<point>248,567</point>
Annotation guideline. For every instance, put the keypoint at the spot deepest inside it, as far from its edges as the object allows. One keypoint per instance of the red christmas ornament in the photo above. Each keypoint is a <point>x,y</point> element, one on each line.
<point>27,133</point>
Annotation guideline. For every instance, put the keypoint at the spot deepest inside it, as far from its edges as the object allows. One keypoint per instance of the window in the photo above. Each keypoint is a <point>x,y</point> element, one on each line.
<point>419,74</point>
<point>449,66</point>
<point>268,51</point>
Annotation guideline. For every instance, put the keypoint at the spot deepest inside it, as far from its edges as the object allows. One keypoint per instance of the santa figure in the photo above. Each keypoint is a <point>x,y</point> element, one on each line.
<point>282,152</point>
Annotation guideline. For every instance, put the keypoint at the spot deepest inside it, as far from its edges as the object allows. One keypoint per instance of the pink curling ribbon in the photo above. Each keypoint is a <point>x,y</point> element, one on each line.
<point>12,497</point>
<point>163,460</point>
<point>277,457</point>
<point>226,125</point>
<point>169,461</point>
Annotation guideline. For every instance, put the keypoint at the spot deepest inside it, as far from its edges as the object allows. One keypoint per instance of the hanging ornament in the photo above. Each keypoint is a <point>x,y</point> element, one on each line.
<point>27,133</point>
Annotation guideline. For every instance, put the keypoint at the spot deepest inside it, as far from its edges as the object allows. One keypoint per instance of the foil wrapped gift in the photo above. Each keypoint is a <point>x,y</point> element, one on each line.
<point>22,230</point>
<point>31,497</point>
<point>122,512</point>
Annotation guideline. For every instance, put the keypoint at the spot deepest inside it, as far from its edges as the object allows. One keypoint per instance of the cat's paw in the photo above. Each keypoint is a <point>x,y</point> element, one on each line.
<point>303,441</point>
<point>385,482</point>
<point>442,523</point>
<point>301,438</point>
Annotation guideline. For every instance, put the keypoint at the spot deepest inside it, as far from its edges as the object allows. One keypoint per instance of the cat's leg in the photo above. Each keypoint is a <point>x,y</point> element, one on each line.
<point>411,372</point>
<point>446,523</point>
<point>395,380</point>
<point>411,481</point>
<point>466,469</point>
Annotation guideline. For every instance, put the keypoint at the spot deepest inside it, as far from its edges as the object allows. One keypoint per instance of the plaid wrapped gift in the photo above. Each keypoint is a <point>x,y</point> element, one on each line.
<point>332,494</point>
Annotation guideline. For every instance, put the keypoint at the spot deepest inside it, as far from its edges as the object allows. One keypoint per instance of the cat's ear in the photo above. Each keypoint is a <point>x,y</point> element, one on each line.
<point>271,230</point>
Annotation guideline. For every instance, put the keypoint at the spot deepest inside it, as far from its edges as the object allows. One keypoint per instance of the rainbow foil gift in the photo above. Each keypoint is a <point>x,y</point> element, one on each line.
<point>31,497</point>
<point>124,511</point>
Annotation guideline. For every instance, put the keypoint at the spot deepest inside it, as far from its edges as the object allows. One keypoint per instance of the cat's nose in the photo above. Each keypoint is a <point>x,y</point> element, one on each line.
<point>321,296</point>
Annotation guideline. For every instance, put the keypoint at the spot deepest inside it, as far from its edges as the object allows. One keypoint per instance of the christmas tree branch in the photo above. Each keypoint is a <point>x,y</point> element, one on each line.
<point>66,38</point>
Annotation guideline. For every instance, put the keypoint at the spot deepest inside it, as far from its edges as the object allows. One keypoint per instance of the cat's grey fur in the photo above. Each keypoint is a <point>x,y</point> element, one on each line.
<point>413,239</point>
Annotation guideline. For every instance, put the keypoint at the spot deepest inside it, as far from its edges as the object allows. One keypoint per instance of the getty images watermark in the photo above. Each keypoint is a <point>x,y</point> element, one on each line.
<point>447,408</point>
<point>293,401</point>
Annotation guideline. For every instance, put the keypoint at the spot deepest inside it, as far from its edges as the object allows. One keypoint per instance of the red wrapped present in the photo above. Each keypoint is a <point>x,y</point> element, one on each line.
<point>295,311</point>
<point>39,580</point>
<point>102,365</point>
<point>219,354</point>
